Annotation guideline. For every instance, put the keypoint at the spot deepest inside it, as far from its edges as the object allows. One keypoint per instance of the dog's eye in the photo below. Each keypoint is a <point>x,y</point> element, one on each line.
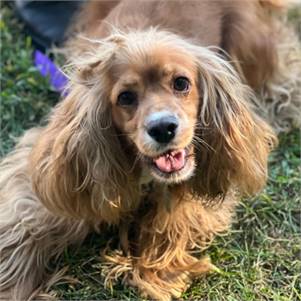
<point>127,98</point>
<point>181,84</point>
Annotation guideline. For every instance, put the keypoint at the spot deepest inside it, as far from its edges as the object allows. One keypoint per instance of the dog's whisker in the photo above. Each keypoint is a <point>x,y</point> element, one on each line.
<point>202,127</point>
<point>138,157</point>
<point>204,143</point>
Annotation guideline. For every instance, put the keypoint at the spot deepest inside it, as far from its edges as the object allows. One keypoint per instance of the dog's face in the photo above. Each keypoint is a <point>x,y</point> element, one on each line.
<point>181,106</point>
<point>155,102</point>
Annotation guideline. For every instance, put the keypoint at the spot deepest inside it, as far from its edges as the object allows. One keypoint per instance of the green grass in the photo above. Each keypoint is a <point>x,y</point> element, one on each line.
<point>259,258</point>
<point>25,95</point>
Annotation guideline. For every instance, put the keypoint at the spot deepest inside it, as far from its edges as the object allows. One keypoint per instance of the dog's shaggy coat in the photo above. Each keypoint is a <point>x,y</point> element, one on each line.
<point>93,164</point>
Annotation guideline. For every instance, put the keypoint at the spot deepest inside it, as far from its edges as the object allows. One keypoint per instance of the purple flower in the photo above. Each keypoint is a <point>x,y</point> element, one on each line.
<point>47,68</point>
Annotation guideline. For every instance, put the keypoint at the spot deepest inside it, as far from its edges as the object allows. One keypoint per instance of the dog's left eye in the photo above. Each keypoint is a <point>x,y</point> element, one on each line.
<point>181,84</point>
<point>127,98</point>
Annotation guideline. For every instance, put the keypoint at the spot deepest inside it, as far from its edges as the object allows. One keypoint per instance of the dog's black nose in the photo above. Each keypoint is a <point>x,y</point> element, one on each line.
<point>164,129</point>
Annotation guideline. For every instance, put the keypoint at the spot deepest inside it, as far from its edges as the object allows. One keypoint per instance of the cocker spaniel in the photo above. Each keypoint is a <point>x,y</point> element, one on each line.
<point>164,127</point>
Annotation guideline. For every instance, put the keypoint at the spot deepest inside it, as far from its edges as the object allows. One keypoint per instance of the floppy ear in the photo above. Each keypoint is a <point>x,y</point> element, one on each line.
<point>233,143</point>
<point>78,166</point>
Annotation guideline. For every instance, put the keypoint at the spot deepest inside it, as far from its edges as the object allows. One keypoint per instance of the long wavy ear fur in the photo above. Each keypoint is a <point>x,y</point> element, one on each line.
<point>78,166</point>
<point>233,143</point>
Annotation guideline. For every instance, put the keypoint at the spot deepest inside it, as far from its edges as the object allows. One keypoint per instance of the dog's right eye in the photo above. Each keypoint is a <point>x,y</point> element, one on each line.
<point>127,98</point>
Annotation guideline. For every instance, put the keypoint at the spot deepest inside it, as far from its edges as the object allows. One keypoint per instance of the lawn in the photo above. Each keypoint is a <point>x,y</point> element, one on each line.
<point>259,258</point>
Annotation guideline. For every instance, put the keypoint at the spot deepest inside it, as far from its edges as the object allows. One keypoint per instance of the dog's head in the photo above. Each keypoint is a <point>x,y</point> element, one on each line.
<point>155,100</point>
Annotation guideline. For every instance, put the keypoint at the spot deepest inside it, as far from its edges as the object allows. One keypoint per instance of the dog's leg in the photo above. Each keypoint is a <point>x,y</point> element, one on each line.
<point>162,264</point>
<point>29,234</point>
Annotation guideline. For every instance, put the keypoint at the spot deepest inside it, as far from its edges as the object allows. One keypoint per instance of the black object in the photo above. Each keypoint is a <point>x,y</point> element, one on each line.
<point>163,130</point>
<point>46,21</point>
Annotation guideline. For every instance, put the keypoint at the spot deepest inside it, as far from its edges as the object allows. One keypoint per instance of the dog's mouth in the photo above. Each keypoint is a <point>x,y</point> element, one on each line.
<point>172,166</point>
<point>171,161</point>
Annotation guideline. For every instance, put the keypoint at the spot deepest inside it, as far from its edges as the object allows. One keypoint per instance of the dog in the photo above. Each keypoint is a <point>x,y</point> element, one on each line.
<point>170,115</point>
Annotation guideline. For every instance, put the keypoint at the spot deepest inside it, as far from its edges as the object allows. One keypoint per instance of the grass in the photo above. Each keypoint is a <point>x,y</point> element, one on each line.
<point>25,95</point>
<point>259,258</point>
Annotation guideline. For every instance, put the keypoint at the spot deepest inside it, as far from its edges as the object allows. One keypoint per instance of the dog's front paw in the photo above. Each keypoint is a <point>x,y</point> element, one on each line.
<point>169,283</point>
<point>162,284</point>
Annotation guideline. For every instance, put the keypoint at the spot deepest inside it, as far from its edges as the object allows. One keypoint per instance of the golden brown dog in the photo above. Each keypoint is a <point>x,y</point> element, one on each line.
<point>161,132</point>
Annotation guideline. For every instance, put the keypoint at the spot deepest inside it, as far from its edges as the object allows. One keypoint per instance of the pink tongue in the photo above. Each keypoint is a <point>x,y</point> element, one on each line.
<point>172,161</point>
